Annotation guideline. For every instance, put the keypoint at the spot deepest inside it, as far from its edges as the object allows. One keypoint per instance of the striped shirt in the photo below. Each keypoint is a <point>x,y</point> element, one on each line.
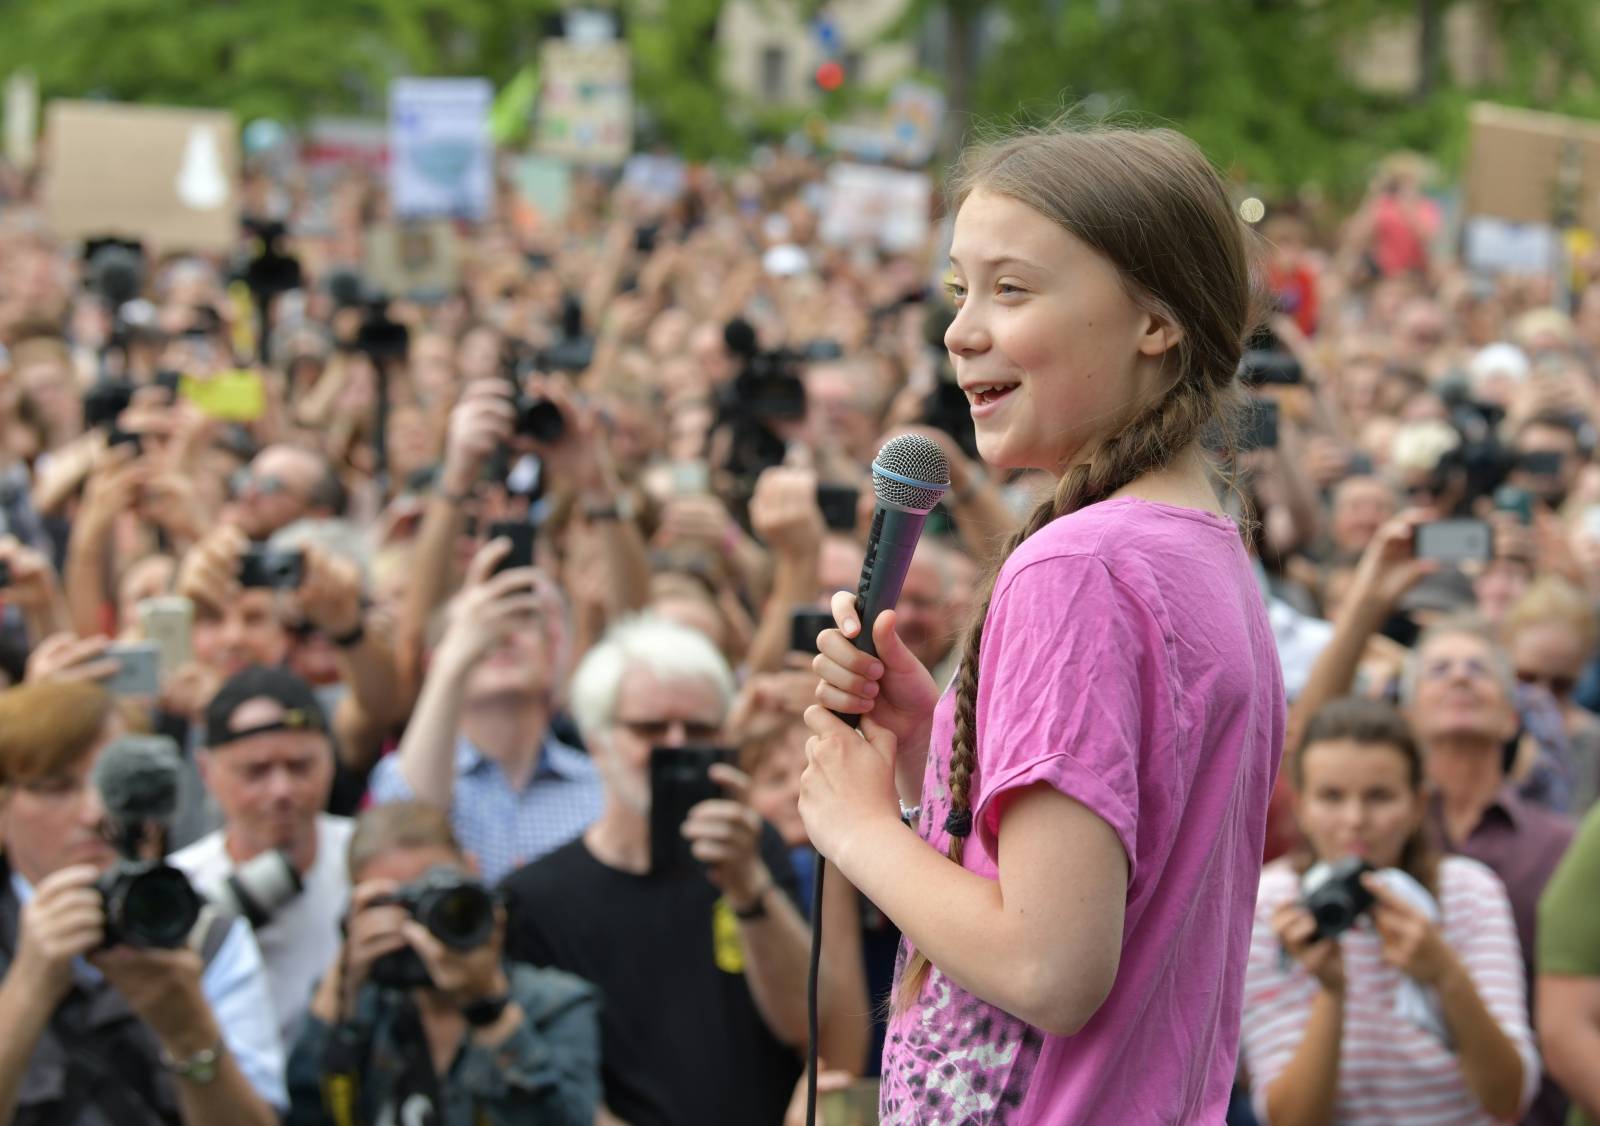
<point>503,827</point>
<point>1390,1071</point>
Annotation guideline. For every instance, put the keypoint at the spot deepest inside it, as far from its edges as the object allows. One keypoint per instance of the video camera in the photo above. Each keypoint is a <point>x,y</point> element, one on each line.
<point>378,338</point>
<point>766,390</point>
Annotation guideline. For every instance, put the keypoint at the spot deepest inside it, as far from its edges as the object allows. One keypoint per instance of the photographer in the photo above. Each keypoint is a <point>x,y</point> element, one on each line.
<point>96,1035</point>
<point>480,1041</point>
<point>1417,1011</point>
<point>268,762</point>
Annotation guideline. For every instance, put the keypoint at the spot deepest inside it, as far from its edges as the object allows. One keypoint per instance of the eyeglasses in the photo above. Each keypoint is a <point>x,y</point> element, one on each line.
<point>265,485</point>
<point>1558,686</point>
<point>655,731</point>
<point>1443,668</point>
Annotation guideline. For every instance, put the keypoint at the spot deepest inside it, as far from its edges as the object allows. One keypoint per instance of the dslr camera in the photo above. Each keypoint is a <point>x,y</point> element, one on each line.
<point>147,903</point>
<point>258,888</point>
<point>1338,899</point>
<point>275,570</point>
<point>457,909</point>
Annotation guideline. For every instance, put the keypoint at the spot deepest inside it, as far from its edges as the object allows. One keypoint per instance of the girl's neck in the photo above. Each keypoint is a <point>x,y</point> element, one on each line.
<point>1187,481</point>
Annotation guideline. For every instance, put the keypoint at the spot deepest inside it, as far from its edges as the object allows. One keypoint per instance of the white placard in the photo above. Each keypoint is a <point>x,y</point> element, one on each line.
<point>441,154</point>
<point>881,205</point>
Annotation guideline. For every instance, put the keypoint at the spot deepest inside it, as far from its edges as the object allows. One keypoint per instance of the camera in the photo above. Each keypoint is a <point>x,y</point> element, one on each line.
<point>105,400</point>
<point>457,910</point>
<point>1338,898</point>
<point>258,888</point>
<point>147,903</point>
<point>540,419</point>
<point>275,570</point>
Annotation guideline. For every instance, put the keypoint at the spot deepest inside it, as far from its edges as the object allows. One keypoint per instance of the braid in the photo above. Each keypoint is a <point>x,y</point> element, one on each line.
<point>1147,443</point>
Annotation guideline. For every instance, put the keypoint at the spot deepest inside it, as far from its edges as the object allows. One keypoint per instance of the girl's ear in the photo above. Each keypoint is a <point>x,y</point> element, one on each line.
<point>1159,334</point>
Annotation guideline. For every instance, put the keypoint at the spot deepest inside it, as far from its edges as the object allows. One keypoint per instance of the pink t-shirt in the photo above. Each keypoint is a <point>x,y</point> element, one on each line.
<point>1127,661</point>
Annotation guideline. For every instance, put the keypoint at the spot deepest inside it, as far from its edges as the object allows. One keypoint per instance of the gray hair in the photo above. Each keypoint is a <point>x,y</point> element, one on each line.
<point>1464,625</point>
<point>666,650</point>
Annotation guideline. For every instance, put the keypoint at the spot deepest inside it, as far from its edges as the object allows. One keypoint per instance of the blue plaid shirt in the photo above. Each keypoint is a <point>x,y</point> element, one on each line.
<point>503,827</point>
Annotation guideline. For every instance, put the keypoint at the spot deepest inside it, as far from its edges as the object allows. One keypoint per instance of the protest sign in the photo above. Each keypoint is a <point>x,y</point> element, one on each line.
<point>22,119</point>
<point>1530,167</point>
<point>418,260</point>
<point>882,205</point>
<point>544,184</point>
<point>585,102</point>
<point>441,156</point>
<point>166,177</point>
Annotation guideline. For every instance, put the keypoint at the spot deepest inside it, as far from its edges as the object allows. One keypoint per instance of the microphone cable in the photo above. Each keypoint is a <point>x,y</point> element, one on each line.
<point>811,989</point>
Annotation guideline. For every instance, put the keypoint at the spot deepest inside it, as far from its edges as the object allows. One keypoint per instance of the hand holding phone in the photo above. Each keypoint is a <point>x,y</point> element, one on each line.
<point>680,779</point>
<point>521,535</point>
<point>138,672</point>
<point>1455,541</point>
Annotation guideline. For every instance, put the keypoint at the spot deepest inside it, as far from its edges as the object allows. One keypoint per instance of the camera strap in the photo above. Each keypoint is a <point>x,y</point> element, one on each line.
<point>418,1083</point>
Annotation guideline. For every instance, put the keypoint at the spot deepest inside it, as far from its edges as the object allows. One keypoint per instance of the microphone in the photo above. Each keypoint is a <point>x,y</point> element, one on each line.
<point>909,475</point>
<point>137,777</point>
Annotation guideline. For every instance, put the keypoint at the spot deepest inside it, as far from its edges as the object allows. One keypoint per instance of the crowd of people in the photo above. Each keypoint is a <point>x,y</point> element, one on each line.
<point>430,591</point>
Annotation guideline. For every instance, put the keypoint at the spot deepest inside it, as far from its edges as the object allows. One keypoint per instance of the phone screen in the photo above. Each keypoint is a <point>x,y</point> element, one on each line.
<point>1455,541</point>
<point>680,779</point>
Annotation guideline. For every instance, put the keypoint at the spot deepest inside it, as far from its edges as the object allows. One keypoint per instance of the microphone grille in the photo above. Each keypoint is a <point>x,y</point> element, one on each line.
<point>921,464</point>
<point>137,777</point>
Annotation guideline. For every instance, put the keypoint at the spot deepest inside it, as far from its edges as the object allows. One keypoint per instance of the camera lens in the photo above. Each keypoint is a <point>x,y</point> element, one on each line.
<point>461,917</point>
<point>154,907</point>
<point>1334,912</point>
<point>540,419</point>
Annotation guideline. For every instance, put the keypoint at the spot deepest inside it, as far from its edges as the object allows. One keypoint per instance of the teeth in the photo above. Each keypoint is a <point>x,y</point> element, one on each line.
<point>992,388</point>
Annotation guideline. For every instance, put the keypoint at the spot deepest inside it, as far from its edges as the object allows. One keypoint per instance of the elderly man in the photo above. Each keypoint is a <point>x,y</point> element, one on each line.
<point>703,965</point>
<point>284,484</point>
<point>97,1036</point>
<point>269,763</point>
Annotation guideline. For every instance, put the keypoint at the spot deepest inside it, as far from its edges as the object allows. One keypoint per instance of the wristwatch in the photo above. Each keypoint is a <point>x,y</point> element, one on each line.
<point>485,1010</point>
<point>200,1068</point>
<point>757,908</point>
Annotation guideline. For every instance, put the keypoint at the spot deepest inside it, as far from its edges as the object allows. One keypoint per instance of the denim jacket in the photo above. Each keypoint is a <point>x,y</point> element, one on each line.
<point>547,1071</point>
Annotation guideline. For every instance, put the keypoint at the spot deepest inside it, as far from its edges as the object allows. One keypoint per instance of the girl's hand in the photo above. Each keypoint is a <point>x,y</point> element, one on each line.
<point>1411,943</point>
<point>1323,959</point>
<point>893,687</point>
<point>848,783</point>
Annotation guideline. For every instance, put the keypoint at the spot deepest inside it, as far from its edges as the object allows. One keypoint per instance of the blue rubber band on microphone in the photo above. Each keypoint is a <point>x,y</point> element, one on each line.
<point>933,487</point>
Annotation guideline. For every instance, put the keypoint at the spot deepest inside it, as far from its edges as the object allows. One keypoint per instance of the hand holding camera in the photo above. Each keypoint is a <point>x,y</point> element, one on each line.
<point>1321,956</point>
<point>784,511</point>
<point>444,931</point>
<point>482,421</point>
<point>329,593</point>
<point>66,656</point>
<point>1412,943</point>
<point>209,573</point>
<point>30,581</point>
<point>462,975</point>
<point>64,920</point>
<point>724,834</point>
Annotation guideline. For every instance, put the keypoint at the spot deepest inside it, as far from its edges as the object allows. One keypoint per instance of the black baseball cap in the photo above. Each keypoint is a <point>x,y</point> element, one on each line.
<point>301,711</point>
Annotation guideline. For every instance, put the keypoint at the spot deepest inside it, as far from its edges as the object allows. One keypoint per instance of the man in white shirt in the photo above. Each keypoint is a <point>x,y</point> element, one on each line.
<point>268,761</point>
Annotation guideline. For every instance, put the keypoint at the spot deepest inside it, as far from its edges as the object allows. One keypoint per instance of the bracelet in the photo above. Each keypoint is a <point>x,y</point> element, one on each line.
<point>199,1068</point>
<point>485,1010</point>
<point>456,499</point>
<point>910,814</point>
<point>757,908</point>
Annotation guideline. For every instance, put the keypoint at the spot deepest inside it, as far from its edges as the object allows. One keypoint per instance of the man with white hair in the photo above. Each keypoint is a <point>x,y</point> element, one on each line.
<point>703,965</point>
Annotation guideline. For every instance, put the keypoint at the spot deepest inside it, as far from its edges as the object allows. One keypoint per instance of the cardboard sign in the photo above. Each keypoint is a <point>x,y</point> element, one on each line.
<point>1529,167</point>
<point>882,205</point>
<point>544,185</point>
<point>441,156</point>
<point>168,177</point>
<point>416,260</point>
<point>585,102</point>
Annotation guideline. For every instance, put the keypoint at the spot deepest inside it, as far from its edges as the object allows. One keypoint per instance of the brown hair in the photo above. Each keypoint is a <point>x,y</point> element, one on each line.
<point>1369,723</point>
<point>401,824</point>
<point>1151,204</point>
<point>46,728</point>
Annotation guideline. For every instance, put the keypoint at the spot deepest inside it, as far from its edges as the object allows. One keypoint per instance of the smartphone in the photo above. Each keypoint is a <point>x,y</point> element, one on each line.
<point>690,478</point>
<point>231,396</point>
<point>167,623</point>
<point>274,570</point>
<point>117,436</point>
<point>1258,367</point>
<point>680,779</point>
<point>804,627</point>
<point>138,672</point>
<point>520,533</point>
<point>1509,498</point>
<point>1541,463</point>
<point>1455,541</point>
<point>840,506</point>
<point>1259,429</point>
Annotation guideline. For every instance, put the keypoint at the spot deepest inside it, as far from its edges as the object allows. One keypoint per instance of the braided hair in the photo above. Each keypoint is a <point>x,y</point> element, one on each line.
<point>1150,202</point>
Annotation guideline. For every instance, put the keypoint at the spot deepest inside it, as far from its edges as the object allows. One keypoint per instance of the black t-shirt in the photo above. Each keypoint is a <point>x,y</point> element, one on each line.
<point>681,1040</point>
